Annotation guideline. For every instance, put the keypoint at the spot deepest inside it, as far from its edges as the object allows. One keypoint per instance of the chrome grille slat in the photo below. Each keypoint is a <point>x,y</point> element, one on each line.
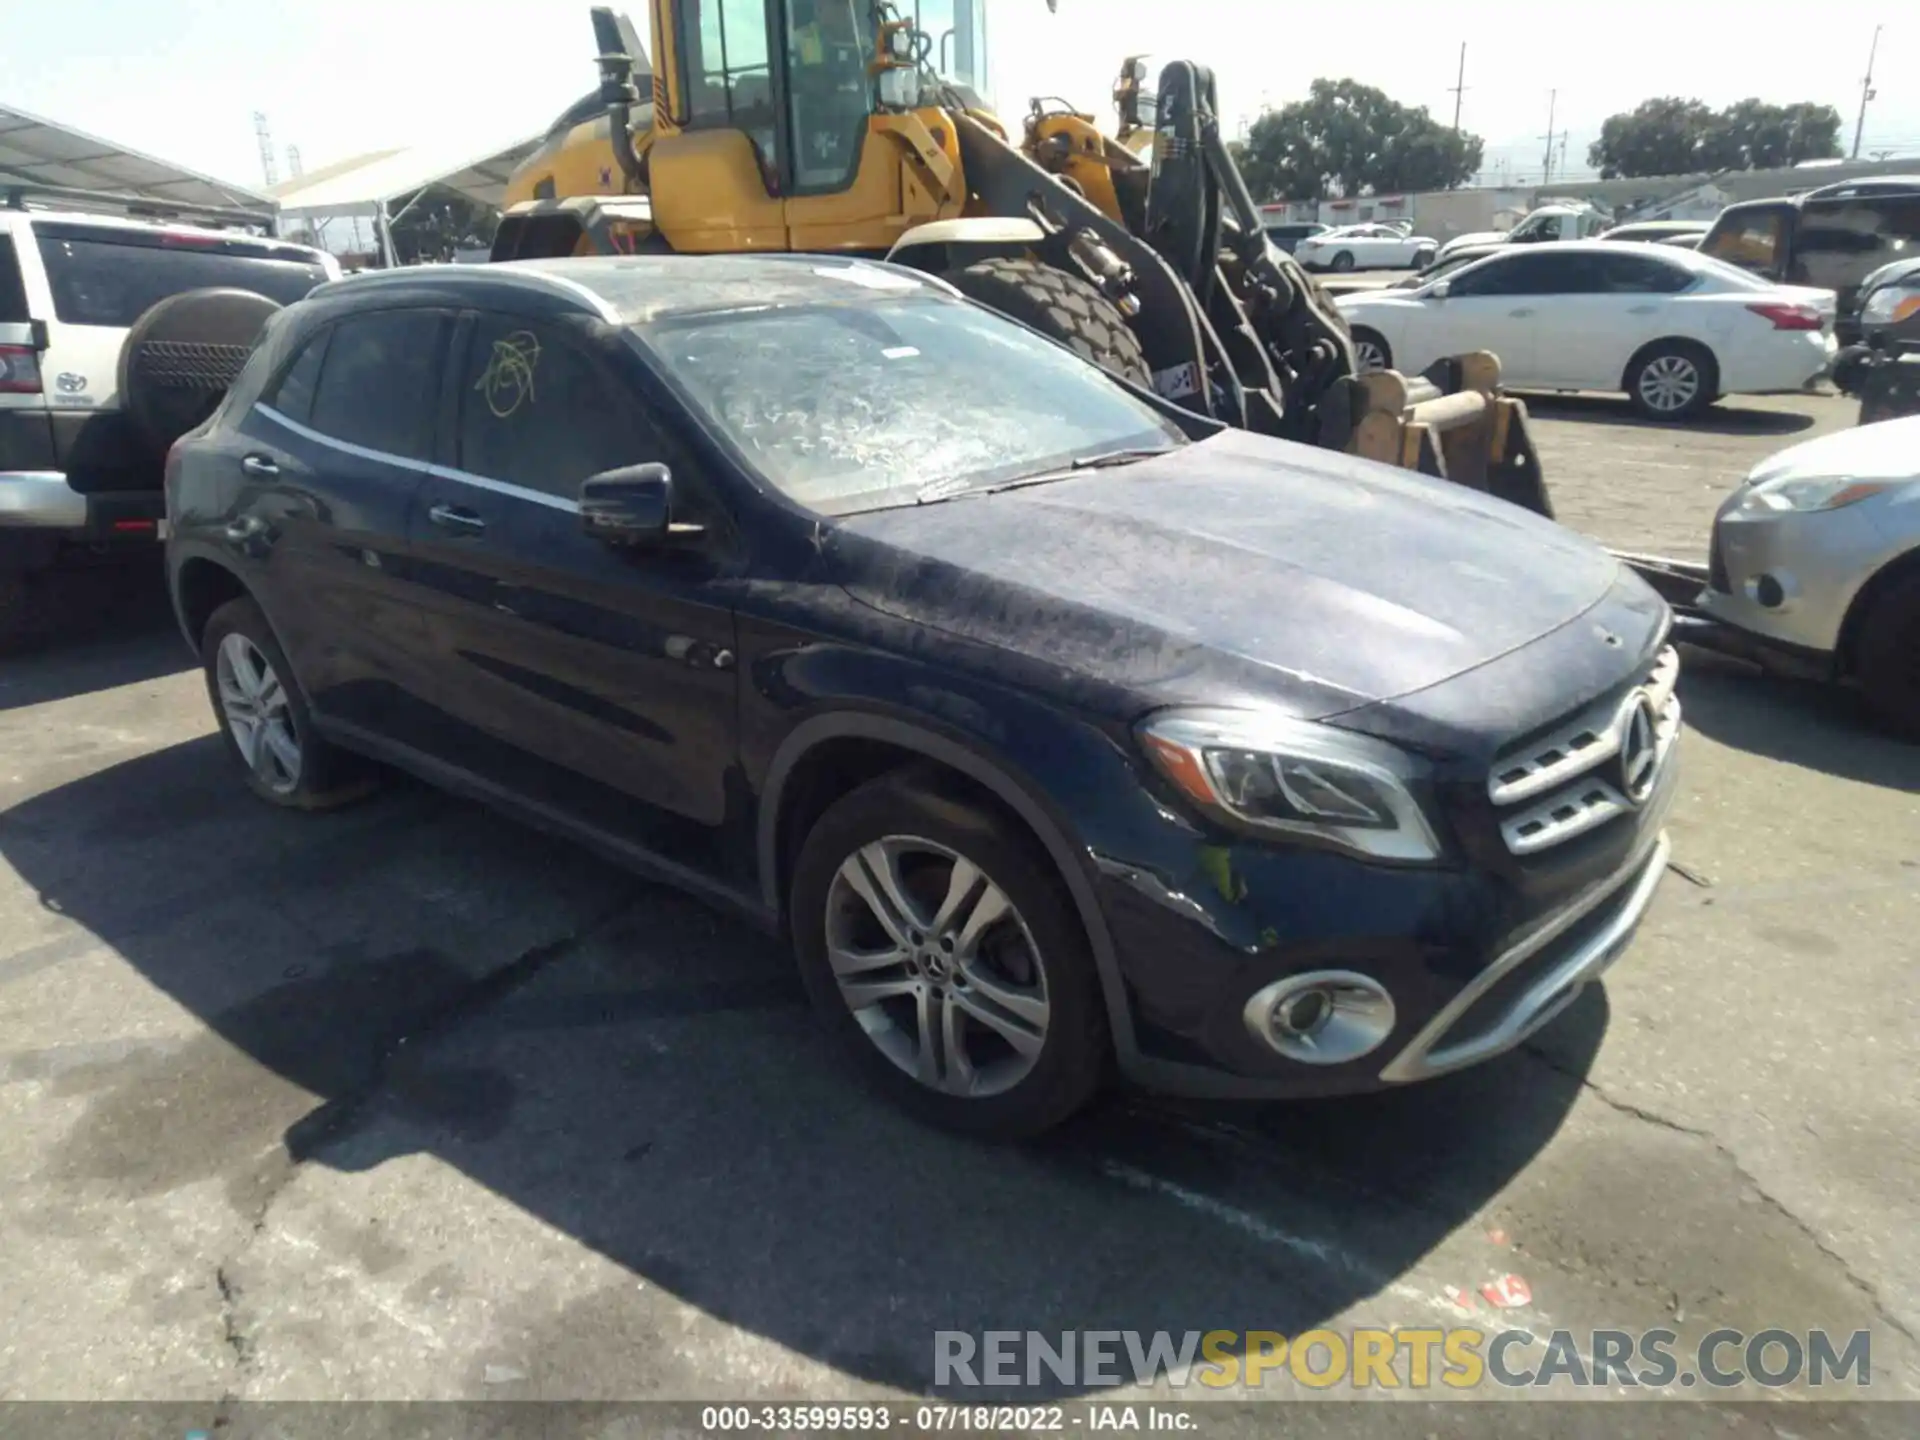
<point>1555,778</point>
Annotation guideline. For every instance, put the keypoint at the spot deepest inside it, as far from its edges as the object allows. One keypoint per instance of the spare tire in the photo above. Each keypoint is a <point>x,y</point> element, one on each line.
<point>182,356</point>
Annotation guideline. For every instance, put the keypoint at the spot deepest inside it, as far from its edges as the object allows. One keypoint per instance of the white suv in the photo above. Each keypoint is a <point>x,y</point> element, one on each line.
<point>80,465</point>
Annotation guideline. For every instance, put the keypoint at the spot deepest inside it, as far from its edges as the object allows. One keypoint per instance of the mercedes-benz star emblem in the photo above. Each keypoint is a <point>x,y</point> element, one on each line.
<point>1639,751</point>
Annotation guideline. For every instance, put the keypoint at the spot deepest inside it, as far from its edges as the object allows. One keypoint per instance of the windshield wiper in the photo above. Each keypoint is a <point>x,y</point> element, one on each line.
<point>955,490</point>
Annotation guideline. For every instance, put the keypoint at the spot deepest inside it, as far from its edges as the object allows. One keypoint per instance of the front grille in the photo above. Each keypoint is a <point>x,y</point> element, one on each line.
<point>1594,768</point>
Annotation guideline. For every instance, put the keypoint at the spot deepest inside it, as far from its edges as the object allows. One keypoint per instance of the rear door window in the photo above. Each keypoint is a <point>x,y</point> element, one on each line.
<point>110,277</point>
<point>1640,275</point>
<point>13,294</point>
<point>379,381</point>
<point>1840,243</point>
<point>292,395</point>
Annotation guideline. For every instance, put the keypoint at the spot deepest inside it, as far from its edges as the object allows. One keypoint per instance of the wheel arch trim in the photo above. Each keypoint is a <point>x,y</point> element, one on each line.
<point>921,740</point>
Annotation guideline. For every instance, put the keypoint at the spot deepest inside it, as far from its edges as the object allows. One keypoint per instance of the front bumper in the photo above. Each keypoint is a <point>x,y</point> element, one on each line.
<point>1790,576</point>
<point>1474,960</point>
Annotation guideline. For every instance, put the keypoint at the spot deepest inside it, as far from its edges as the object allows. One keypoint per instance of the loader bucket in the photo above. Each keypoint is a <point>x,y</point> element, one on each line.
<point>1453,423</point>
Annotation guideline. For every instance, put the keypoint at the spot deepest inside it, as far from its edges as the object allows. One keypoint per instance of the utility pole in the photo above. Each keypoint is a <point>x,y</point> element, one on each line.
<point>1553,100</point>
<point>1866,92</point>
<point>265,137</point>
<point>1459,87</point>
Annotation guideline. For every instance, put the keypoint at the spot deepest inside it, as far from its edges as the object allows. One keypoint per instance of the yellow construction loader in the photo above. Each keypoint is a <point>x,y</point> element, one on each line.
<point>859,126</point>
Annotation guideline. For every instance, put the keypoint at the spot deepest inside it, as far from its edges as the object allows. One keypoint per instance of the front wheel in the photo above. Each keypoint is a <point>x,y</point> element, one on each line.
<point>1343,262</point>
<point>1370,350</point>
<point>941,945</point>
<point>1672,380</point>
<point>1060,306</point>
<point>1422,259</point>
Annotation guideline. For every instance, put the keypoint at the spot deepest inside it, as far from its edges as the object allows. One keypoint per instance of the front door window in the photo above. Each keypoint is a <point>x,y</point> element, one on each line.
<point>729,78</point>
<point>830,93</point>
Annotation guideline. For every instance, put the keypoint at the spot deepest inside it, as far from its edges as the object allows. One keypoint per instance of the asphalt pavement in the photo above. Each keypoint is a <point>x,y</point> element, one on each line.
<point>405,1101</point>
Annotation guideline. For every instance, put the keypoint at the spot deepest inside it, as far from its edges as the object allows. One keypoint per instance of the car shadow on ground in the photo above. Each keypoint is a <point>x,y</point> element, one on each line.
<point>107,628</point>
<point>1727,418</point>
<point>652,1086</point>
<point>1807,723</point>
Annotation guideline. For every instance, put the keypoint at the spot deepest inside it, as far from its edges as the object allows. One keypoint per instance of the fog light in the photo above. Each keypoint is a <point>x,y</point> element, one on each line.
<point>1769,592</point>
<point>1325,1017</point>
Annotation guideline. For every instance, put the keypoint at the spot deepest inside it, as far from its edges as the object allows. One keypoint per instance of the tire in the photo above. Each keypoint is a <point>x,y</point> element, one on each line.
<point>311,774</point>
<point>1370,350</point>
<point>1060,306</point>
<point>1672,380</point>
<point>1342,262</point>
<point>182,356</point>
<point>1045,1051</point>
<point>1886,659</point>
<point>1422,259</point>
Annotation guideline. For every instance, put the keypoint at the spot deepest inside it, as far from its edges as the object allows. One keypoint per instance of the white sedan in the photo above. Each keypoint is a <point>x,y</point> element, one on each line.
<point>1674,329</point>
<point>1365,247</point>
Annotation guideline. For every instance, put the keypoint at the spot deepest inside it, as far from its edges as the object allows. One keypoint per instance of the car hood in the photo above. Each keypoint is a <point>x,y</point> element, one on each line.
<point>1237,570</point>
<point>1889,450</point>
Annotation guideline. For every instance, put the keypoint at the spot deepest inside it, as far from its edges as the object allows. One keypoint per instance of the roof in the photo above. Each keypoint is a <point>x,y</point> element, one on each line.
<point>631,290</point>
<point>365,182</point>
<point>37,151</point>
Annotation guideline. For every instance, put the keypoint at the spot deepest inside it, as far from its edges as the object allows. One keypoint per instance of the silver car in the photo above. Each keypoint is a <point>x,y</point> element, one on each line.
<point>1817,556</point>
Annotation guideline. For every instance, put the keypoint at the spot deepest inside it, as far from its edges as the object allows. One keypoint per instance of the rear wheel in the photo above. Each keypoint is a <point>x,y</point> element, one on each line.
<point>1887,658</point>
<point>269,731</point>
<point>1060,306</point>
<point>1422,259</point>
<point>939,942</point>
<point>1370,350</point>
<point>1672,380</point>
<point>1343,262</point>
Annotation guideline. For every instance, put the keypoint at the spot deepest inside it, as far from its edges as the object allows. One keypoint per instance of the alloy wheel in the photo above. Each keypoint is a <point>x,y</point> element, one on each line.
<point>254,702</point>
<point>1669,383</point>
<point>937,966</point>
<point>1369,356</point>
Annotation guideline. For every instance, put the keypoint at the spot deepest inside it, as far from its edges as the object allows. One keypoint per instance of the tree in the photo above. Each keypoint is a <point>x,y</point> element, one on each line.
<point>1754,135</point>
<point>1671,136</point>
<point>1656,137</point>
<point>439,223</point>
<point>1351,139</point>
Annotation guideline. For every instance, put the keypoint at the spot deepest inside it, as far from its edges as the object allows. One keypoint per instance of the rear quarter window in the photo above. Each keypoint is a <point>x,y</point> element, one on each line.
<point>13,293</point>
<point>101,277</point>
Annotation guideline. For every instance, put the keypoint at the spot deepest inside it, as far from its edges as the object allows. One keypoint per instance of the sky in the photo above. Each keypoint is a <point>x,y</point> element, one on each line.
<point>182,79</point>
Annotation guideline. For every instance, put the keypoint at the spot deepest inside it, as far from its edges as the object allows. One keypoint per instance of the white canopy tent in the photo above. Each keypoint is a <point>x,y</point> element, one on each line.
<point>35,151</point>
<point>371,184</point>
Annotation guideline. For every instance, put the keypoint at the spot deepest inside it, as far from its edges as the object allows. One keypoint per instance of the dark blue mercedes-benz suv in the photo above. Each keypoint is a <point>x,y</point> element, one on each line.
<point>1050,723</point>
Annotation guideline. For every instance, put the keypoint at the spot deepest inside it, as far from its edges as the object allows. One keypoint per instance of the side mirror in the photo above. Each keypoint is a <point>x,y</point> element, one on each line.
<point>631,506</point>
<point>1440,290</point>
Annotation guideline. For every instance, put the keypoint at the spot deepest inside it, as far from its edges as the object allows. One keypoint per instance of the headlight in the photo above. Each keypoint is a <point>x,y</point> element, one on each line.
<point>1293,777</point>
<point>1805,493</point>
<point>1889,305</point>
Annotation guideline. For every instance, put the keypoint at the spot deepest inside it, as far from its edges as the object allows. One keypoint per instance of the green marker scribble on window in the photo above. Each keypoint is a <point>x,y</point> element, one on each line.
<point>507,381</point>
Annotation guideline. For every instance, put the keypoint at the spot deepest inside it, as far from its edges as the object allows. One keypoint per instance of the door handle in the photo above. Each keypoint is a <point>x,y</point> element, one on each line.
<point>1520,314</point>
<point>456,517</point>
<point>259,466</point>
<point>1643,309</point>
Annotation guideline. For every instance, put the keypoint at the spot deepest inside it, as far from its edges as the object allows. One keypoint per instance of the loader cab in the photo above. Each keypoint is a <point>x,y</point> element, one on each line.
<point>770,140</point>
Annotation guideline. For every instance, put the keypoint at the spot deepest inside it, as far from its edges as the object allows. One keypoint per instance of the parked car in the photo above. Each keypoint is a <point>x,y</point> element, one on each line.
<point>810,586</point>
<point>1683,242</point>
<point>1439,269</point>
<point>1659,232</point>
<point>1817,556</point>
<point>1887,304</point>
<point>1549,223</point>
<point>1288,234</point>
<point>1674,330</point>
<point>80,468</point>
<point>1832,237</point>
<point>1365,247</point>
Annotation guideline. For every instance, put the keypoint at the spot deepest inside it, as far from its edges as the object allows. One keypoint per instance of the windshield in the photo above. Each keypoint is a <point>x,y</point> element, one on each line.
<point>864,406</point>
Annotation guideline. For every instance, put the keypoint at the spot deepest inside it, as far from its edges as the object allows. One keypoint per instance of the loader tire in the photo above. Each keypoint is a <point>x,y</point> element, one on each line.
<point>1060,306</point>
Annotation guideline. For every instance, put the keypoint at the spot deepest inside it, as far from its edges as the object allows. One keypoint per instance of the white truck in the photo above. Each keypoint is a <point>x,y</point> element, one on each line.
<point>1560,221</point>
